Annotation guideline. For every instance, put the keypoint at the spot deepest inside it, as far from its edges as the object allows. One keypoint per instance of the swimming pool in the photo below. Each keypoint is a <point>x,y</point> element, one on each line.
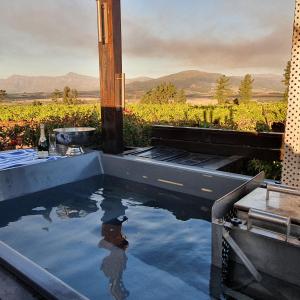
<point>111,238</point>
<point>67,217</point>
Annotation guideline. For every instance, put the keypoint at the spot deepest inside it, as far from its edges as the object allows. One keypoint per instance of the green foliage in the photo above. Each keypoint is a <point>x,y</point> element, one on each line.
<point>271,169</point>
<point>163,94</point>
<point>242,117</point>
<point>19,124</point>
<point>286,80</point>
<point>223,91</point>
<point>245,90</point>
<point>22,121</point>
<point>137,133</point>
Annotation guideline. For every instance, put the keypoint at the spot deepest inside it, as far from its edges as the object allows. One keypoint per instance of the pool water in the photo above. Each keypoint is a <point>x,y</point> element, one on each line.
<point>111,238</point>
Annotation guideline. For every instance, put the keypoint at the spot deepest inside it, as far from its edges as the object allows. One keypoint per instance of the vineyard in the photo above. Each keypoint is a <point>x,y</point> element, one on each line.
<point>19,123</point>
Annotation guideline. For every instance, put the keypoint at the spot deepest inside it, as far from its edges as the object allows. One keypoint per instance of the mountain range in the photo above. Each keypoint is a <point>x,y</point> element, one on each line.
<point>194,82</point>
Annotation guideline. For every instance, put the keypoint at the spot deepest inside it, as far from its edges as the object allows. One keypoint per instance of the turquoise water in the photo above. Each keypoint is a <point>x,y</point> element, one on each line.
<point>115,239</point>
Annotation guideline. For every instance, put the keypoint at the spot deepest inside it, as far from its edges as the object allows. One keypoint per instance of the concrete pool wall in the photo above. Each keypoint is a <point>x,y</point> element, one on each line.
<point>20,181</point>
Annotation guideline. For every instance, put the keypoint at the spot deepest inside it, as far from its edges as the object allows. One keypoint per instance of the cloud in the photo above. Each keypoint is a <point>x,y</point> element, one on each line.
<point>53,35</point>
<point>267,45</point>
<point>48,26</point>
<point>270,50</point>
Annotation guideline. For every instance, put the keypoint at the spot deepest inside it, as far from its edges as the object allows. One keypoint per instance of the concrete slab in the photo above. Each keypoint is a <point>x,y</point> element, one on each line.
<point>12,289</point>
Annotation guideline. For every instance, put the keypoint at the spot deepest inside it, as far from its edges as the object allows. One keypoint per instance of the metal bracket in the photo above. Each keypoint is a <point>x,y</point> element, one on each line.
<point>120,87</point>
<point>239,252</point>
<point>102,22</point>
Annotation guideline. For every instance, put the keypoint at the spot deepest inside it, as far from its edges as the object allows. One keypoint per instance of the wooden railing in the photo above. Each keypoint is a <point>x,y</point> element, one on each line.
<point>264,145</point>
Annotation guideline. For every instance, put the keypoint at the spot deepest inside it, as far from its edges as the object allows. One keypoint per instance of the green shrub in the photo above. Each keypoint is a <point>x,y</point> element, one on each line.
<point>19,123</point>
<point>272,169</point>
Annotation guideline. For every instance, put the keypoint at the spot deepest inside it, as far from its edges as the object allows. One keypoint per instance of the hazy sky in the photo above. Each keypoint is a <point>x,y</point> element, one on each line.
<point>54,37</point>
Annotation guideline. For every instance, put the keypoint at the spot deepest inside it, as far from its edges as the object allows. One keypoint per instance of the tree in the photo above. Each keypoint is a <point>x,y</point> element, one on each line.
<point>245,90</point>
<point>66,94</point>
<point>56,95</point>
<point>37,103</point>
<point>181,97</point>
<point>70,96</point>
<point>74,94</point>
<point>3,94</point>
<point>286,80</point>
<point>223,91</point>
<point>164,93</point>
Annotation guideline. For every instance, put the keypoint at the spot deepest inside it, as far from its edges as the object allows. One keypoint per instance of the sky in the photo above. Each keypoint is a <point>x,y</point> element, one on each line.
<point>234,37</point>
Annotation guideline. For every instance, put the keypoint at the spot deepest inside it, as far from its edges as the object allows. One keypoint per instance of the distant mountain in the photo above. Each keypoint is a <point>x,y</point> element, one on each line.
<point>47,84</point>
<point>204,82</point>
<point>34,84</point>
<point>192,81</point>
<point>263,82</point>
<point>138,79</point>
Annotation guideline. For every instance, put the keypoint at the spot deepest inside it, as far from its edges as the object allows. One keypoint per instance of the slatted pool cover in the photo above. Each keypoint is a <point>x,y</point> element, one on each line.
<point>178,156</point>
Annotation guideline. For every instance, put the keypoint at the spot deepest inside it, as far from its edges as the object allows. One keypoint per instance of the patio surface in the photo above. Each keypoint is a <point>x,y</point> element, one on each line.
<point>12,289</point>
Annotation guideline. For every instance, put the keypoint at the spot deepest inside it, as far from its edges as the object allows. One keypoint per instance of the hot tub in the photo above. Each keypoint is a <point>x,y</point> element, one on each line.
<point>99,226</point>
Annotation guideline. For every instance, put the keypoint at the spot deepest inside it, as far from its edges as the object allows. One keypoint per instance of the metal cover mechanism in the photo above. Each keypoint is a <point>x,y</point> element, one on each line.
<point>265,216</point>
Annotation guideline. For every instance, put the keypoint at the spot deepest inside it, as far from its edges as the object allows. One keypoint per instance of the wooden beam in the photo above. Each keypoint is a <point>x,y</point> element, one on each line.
<point>219,136</point>
<point>268,154</point>
<point>266,146</point>
<point>111,77</point>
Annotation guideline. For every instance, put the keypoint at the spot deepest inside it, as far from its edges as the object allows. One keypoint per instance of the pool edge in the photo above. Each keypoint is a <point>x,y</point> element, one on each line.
<point>35,277</point>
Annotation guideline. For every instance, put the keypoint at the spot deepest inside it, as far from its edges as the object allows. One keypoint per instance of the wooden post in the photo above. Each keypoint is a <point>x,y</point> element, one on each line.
<point>111,77</point>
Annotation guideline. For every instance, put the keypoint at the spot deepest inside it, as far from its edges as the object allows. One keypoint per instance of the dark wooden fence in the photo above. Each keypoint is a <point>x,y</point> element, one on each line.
<point>265,145</point>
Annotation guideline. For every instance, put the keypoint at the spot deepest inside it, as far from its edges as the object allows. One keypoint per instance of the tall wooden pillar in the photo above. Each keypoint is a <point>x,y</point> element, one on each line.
<point>111,77</point>
<point>291,163</point>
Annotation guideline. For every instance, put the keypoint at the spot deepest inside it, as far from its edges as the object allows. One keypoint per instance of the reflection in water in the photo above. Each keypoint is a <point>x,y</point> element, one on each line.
<point>154,229</point>
<point>67,200</point>
<point>114,241</point>
<point>65,212</point>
